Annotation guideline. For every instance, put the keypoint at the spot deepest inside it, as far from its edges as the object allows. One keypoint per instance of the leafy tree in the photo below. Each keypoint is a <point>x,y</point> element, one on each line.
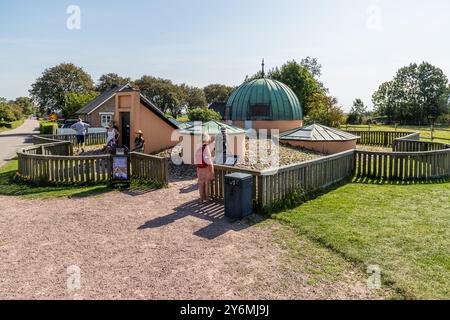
<point>324,110</point>
<point>26,104</point>
<point>300,80</point>
<point>193,97</point>
<point>301,77</point>
<point>6,113</point>
<point>168,96</point>
<point>217,93</point>
<point>109,80</point>
<point>313,66</point>
<point>49,90</point>
<point>414,95</point>
<point>74,101</point>
<point>358,112</point>
<point>203,114</point>
<point>10,112</point>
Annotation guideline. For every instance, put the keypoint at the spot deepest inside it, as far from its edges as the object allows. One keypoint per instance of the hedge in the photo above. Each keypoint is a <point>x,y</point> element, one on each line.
<point>48,127</point>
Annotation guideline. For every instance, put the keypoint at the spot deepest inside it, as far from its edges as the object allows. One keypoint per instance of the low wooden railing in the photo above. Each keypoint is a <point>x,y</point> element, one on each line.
<point>39,164</point>
<point>91,139</point>
<point>403,165</point>
<point>51,161</point>
<point>418,160</point>
<point>412,143</point>
<point>272,185</point>
<point>379,138</point>
<point>150,167</point>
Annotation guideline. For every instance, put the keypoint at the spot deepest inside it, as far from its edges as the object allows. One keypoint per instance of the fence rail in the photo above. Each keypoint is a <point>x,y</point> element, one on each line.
<point>403,165</point>
<point>412,143</point>
<point>44,168</point>
<point>51,161</point>
<point>379,138</point>
<point>91,139</point>
<point>412,159</point>
<point>150,167</point>
<point>272,185</point>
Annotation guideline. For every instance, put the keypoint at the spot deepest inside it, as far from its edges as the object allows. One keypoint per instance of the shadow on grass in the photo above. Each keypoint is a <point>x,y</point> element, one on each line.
<point>10,185</point>
<point>399,182</point>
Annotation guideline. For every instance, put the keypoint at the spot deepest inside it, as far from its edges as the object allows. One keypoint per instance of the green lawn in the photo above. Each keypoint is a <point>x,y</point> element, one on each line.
<point>405,229</point>
<point>441,133</point>
<point>11,188</point>
<point>10,125</point>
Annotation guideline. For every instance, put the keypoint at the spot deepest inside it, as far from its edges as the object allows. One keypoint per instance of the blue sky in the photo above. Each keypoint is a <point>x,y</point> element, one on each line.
<point>359,43</point>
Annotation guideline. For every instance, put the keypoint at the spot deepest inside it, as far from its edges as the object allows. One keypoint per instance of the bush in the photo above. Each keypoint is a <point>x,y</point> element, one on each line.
<point>46,127</point>
<point>8,125</point>
<point>203,114</point>
<point>8,113</point>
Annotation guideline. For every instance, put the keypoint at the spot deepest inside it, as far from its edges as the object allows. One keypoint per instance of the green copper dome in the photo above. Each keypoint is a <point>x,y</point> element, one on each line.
<point>263,99</point>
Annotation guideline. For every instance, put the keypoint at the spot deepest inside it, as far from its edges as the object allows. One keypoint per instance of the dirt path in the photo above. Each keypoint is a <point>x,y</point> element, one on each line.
<point>156,245</point>
<point>12,140</point>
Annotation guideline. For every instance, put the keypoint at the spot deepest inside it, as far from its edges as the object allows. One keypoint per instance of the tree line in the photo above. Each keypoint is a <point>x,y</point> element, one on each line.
<point>418,94</point>
<point>67,87</point>
<point>17,109</point>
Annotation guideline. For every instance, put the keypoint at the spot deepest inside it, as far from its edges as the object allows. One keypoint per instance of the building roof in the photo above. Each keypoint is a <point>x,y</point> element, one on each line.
<point>101,99</point>
<point>281,100</point>
<point>317,132</point>
<point>92,105</point>
<point>152,107</point>
<point>212,128</point>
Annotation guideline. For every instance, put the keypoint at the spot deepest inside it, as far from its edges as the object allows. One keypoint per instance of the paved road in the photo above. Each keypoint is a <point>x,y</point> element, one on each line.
<point>12,140</point>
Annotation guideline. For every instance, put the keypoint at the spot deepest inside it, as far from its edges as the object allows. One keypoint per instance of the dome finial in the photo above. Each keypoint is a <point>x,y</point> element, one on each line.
<point>263,74</point>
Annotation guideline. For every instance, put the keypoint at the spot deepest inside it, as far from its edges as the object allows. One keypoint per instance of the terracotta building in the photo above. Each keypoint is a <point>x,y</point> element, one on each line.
<point>131,112</point>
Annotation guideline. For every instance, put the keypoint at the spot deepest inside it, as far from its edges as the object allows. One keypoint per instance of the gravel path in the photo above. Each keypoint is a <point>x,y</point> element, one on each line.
<point>148,245</point>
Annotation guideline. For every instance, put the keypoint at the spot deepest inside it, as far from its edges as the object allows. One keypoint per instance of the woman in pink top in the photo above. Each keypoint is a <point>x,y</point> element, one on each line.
<point>205,168</point>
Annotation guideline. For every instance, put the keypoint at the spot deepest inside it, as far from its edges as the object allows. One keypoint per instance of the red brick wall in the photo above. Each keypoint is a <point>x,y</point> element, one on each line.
<point>94,118</point>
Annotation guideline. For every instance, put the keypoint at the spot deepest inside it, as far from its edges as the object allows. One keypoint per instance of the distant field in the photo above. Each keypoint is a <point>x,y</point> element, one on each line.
<point>441,133</point>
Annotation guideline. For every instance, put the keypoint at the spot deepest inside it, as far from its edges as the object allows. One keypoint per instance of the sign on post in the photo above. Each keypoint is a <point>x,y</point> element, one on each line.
<point>120,168</point>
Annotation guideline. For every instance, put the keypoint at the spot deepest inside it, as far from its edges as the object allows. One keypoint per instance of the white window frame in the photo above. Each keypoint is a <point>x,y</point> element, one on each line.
<point>109,115</point>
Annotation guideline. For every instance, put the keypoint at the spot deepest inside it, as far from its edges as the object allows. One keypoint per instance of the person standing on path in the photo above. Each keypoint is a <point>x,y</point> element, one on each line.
<point>80,128</point>
<point>205,168</point>
<point>139,142</point>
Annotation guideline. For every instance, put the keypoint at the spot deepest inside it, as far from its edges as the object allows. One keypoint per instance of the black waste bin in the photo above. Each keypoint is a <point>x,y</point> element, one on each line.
<point>238,195</point>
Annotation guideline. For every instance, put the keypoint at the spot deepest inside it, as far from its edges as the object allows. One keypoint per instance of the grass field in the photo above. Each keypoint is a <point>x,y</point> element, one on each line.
<point>441,133</point>
<point>11,125</point>
<point>9,187</point>
<point>404,229</point>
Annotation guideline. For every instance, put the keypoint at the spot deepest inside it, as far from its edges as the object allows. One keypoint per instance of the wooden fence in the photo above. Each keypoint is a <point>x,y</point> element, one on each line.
<point>150,167</point>
<point>412,143</point>
<point>417,160</point>
<point>379,138</point>
<point>271,186</point>
<point>403,165</point>
<point>51,161</point>
<point>44,167</point>
<point>91,139</point>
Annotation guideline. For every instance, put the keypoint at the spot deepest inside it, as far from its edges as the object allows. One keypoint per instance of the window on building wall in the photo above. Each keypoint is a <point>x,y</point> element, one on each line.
<point>259,111</point>
<point>106,119</point>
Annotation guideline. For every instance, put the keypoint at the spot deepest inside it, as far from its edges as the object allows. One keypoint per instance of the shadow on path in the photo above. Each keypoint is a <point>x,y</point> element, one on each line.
<point>213,212</point>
